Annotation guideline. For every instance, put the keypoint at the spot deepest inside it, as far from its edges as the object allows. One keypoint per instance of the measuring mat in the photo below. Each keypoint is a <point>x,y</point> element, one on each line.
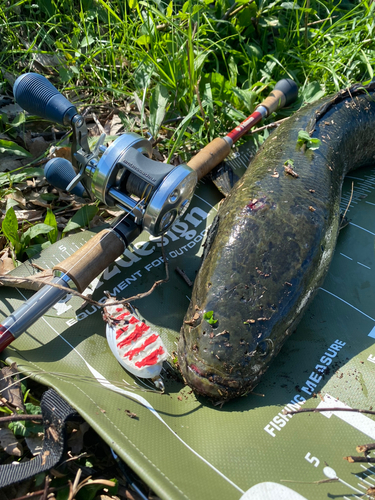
<point>181,445</point>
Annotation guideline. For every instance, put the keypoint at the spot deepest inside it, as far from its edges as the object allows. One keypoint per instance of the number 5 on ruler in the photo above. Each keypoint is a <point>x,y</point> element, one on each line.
<point>312,460</point>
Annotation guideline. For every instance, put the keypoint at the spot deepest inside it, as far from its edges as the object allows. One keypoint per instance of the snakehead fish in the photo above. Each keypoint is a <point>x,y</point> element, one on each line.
<point>270,246</point>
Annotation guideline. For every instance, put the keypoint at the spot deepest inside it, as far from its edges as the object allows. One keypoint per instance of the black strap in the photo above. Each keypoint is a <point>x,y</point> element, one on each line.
<point>55,412</point>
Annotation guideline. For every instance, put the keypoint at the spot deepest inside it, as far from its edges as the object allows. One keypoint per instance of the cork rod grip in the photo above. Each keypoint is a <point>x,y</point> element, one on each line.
<point>274,101</point>
<point>89,261</point>
<point>210,156</point>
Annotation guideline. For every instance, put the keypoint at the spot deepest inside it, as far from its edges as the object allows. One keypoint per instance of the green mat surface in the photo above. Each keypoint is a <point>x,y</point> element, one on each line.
<point>181,445</point>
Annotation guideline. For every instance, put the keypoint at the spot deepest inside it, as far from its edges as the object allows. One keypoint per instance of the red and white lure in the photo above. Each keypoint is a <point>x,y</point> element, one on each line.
<point>135,346</point>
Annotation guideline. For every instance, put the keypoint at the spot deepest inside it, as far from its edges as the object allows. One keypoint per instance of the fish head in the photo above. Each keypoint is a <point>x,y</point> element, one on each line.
<point>222,357</point>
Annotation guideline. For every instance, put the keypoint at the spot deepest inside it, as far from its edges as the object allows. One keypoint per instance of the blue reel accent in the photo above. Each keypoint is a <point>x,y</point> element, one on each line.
<point>60,172</point>
<point>38,96</point>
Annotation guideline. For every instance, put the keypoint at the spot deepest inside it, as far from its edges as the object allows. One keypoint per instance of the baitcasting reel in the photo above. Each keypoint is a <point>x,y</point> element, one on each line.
<point>122,175</point>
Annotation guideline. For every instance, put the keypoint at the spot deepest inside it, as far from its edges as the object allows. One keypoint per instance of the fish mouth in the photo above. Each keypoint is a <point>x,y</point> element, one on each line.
<point>204,380</point>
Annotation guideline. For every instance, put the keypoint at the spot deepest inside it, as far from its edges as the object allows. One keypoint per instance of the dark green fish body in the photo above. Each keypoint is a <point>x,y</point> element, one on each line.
<point>271,244</point>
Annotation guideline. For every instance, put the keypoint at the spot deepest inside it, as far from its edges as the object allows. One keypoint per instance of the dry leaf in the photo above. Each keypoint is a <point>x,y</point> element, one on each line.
<point>10,443</point>
<point>112,211</point>
<point>157,155</point>
<point>10,387</point>
<point>37,200</point>
<point>9,77</point>
<point>17,196</point>
<point>56,473</point>
<point>38,146</point>
<point>47,61</point>
<point>11,163</point>
<point>3,242</point>
<point>11,110</point>
<point>45,454</point>
<point>61,153</point>
<point>116,125</point>
<point>65,196</point>
<point>6,265</point>
<point>29,215</point>
<point>97,221</point>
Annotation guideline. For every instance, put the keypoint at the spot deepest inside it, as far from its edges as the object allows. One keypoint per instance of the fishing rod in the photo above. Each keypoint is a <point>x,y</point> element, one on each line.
<point>151,194</point>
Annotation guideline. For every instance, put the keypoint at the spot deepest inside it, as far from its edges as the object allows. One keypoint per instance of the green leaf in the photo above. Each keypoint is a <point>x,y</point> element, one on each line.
<point>39,480</point>
<point>10,229</point>
<point>19,119</point>
<point>36,249</point>
<point>209,317</point>
<point>210,108</point>
<point>51,221</point>
<point>312,92</point>
<point>35,231</point>
<point>18,428</point>
<point>26,173</point>
<point>304,138</point>
<point>13,148</point>
<point>27,427</point>
<point>246,98</point>
<point>181,129</point>
<point>11,202</point>
<point>48,196</point>
<point>32,409</point>
<point>233,70</point>
<point>63,494</point>
<point>253,50</point>
<point>87,41</point>
<point>290,5</point>
<point>93,140</point>
<point>158,105</point>
<point>143,74</point>
<point>144,40</point>
<point>81,218</point>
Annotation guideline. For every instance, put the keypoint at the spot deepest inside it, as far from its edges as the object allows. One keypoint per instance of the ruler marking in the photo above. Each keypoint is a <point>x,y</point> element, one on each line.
<point>346,256</point>
<point>363,229</point>
<point>363,265</point>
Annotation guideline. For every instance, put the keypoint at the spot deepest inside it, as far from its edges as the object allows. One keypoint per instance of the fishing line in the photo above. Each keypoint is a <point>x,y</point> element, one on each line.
<point>69,376</point>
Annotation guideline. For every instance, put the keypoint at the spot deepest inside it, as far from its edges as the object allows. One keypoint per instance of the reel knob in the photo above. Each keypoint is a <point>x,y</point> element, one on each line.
<point>38,96</point>
<point>60,173</point>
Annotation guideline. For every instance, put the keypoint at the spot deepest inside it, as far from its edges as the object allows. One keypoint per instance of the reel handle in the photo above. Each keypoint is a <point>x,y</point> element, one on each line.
<point>35,94</point>
<point>60,172</point>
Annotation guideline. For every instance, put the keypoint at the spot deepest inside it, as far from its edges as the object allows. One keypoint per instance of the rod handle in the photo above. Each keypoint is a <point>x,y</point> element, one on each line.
<point>284,93</point>
<point>89,261</point>
<point>35,94</point>
<point>210,156</point>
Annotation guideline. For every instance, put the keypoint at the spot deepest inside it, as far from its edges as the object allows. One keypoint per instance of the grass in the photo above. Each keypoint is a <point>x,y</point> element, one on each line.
<point>205,61</point>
